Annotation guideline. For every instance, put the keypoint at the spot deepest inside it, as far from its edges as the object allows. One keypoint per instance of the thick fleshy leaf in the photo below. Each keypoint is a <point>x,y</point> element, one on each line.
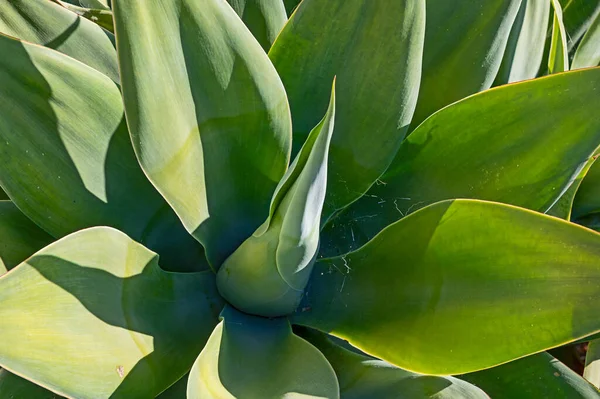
<point>267,274</point>
<point>588,51</point>
<point>255,358</point>
<point>587,199</point>
<point>93,316</point>
<point>536,376</point>
<point>15,387</point>
<point>264,18</point>
<point>521,144</point>
<point>558,58</point>
<point>207,112</point>
<point>363,377</point>
<point>19,237</point>
<point>176,391</point>
<point>464,45</point>
<point>578,16</point>
<point>47,23</point>
<point>290,5</point>
<point>67,159</point>
<point>377,85</point>
<point>525,47</point>
<point>102,17</point>
<point>592,363</point>
<point>469,284</point>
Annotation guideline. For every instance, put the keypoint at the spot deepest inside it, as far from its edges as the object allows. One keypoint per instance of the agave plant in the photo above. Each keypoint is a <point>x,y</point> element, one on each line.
<point>159,242</point>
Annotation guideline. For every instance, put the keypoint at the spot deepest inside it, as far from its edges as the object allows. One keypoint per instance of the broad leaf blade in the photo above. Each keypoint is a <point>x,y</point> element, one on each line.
<point>592,363</point>
<point>588,51</point>
<point>522,144</point>
<point>46,23</point>
<point>578,16</point>
<point>558,58</point>
<point>15,387</point>
<point>264,18</point>
<point>101,17</point>
<point>93,315</point>
<point>536,376</point>
<point>377,84</point>
<point>469,284</point>
<point>207,112</point>
<point>254,358</point>
<point>464,45</point>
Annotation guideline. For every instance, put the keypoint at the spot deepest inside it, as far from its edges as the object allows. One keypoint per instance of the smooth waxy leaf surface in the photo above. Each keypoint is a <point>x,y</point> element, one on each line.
<point>588,51</point>
<point>558,58</point>
<point>102,17</point>
<point>19,237</point>
<point>290,5</point>
<point>587,199</point>
<point>207,112</point>
<point>525,48</point>
<point>377,84</point>
<point>464,45</point>
<point>264,18</point>
<point>592,363</point>
<point>93,315</point>
<point>267,274</point>
<point>46,23</point>
<point>578,16</point>
<point>363,377</point>
<point>470,284</point>
<point>521,144</point>
<point>67,159</point>
<point>255,358</point>
<point>14,387</point>
<point>536,376</point>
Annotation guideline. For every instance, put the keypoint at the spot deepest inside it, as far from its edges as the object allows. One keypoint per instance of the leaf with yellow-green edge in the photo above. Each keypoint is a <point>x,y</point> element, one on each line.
<point>19,236</point>
<point>175,391</point>
<point>101,17</point>
<point>67,159</point>
<point>204,104</point>
<point>49,24</point>
<point>460,286</point>
<point>290,5</point>
<point>15,387</point>
<point>377,85</point>
<point>522,144</point>
<point>93,316</point>
<point>255,358</point>
<point>363,377</point>
<point>3,195</point>
<point>264,18</point>
<point>592,363</point>
<point>464,46</point>
<point>558,57</point>
<point>535,376</point>
<point>525,48</point>
<point>588,51</point>
<point>587,199</point>
<point>577,17</point>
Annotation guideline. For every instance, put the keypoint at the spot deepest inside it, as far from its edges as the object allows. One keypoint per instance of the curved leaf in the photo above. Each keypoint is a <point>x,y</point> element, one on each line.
<point>203,104</point>
<point>592,363</point>
<point>588,51</point>
<point>377,84</point>
<point>67,159</point>
<point>363,377</point>
<point>464,45</point>
<point>522,144</point>
<point>587,199</point>
<point>93,315</point>
<point>290,5</point>
<point>176,391</point>
<point>460,286</point>
<point>254,358</point>
<point>536,376</point>
<point>101,17</point>
<point>558,58</point>
<point>264,18</point>
<point>578,16</point>
<point>46,23</point>
<point>19,237</point>
<point>525,48</point>
<point>14,387</point>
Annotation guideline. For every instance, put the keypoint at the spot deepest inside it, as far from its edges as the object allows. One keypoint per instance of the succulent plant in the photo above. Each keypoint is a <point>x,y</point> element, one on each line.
<point>157,241</point>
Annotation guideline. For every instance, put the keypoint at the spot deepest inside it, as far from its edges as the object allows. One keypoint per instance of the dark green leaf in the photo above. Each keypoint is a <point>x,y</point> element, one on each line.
<point>264,18</point>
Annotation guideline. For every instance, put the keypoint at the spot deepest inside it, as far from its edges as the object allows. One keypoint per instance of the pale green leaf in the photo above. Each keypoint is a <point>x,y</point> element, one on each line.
<point>588,51</point>
<point>264,18</point>
<point>558,58</point>
<point>592,363</point>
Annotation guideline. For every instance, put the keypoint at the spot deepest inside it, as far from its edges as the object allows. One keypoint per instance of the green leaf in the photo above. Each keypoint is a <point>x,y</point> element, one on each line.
<point>67,159</point>
<point>377,85</point>
<point>254,358</point>
<point>592,363</point>
<point>267,274</point>
<point>578,16</point>
<point>587,199</point>
<point>290,5</point>
<point>47,23</point>
<point>19,237</point>
<point>93,315</point>
<point>264,18</point>
<point>536,376</point>
<point>464,46</point>
<point>558,58</point>
<point>102,17</point>
<point>525,48</point>
<point>203,103</point>
<point>176,391</point>
<point>588,51</point>
<point>460,286</point>
<point>14,387</point>
<point>363,377</point>
<point>522,144</point>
